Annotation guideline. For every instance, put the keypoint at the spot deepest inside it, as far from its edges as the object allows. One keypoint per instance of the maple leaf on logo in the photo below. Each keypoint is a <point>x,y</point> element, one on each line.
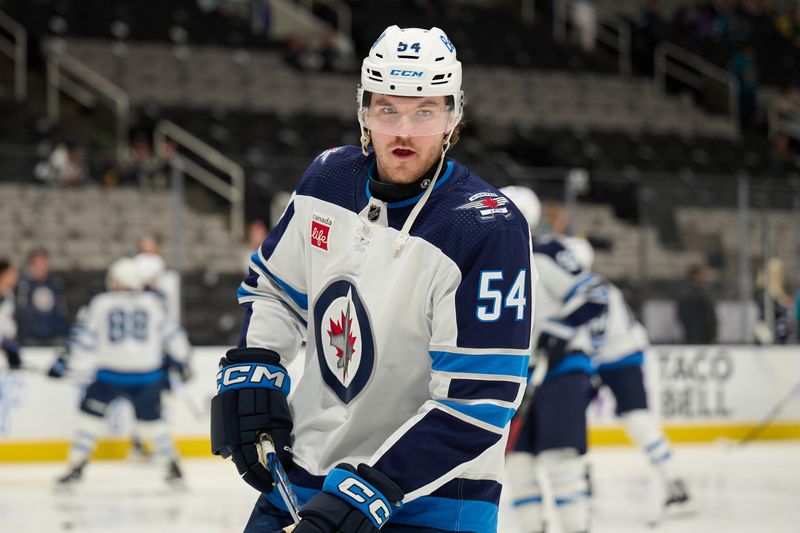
<point>338,332</point>
<point>490,202</point>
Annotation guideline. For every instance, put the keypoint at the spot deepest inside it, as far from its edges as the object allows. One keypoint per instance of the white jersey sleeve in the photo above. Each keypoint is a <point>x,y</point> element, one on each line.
<point>274,293</point>
<point>8,323</point>
<point>567,299</point>
<point>617,334</point>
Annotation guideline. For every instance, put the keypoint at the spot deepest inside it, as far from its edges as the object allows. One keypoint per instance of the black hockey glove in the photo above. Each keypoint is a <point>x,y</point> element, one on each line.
<point>553,342</point>
<point>59,368</point>
<point>251,399</point>
<point>11,347</point>
<point>351,501</point>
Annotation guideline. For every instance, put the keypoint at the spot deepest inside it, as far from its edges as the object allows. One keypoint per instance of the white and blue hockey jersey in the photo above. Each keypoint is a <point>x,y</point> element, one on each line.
<point>8,323</point>
<point>619,339</point>
<point>415,361</point>
<point>566,300</point>
<point>128,333</point>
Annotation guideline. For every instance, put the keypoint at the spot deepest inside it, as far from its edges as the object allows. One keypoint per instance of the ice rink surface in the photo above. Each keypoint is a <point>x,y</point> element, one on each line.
<point>752,488</point>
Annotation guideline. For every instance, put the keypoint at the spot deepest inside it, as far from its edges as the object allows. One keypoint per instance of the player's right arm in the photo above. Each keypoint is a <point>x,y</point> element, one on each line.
<point>252,383</point>
<point>581,297</point>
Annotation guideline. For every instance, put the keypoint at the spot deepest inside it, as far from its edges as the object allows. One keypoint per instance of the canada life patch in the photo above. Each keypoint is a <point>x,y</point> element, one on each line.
<point>321,231</point>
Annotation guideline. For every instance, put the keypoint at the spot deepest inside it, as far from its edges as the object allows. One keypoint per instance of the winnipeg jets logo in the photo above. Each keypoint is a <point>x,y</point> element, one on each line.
<point>343,340</point>
<point>487,204</point>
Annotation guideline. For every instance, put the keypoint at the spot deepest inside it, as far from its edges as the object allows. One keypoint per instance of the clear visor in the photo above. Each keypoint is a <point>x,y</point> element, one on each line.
<point>411,119</point>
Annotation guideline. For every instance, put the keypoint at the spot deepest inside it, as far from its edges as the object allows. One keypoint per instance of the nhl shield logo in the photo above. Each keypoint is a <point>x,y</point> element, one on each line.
<point>343,336</point>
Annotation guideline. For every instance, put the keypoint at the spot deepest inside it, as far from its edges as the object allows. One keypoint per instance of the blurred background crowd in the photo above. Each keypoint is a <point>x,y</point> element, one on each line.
<point>667,132</point>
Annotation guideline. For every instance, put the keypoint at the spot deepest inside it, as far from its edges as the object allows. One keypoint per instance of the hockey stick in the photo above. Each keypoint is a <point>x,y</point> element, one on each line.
<point>269,460</point>
<point>771,416</point>
<point>180,390</point>
<point>537,378</point>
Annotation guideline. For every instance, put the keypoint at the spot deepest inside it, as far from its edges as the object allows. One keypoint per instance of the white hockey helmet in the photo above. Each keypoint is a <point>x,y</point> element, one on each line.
<point>151,267</point>
<point>124,273</point>
<point>582,250</point>
<point>526,201</point>
<point>411,62</point>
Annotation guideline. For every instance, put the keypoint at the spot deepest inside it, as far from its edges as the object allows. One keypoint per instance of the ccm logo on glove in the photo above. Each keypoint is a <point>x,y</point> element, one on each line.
<point>360,493</point>
<point>241,376</point>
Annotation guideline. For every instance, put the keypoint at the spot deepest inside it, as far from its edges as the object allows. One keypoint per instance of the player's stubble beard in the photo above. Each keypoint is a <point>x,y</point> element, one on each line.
<point>428,150</point>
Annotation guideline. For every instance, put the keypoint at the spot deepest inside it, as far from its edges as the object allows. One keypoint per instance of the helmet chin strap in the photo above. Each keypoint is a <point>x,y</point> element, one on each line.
<point>402,237</point>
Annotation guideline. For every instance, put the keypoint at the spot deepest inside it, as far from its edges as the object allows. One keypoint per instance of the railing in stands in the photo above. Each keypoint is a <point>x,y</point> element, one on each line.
<point>233,191</point>
<point>17,50</point>
<point>612,30</point>
<point>694,71</point>
<point>67,75</point>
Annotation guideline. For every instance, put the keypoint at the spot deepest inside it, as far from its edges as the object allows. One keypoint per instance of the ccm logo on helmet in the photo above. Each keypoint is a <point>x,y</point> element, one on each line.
<point>234,375</point>
<point>407,73</point>
<point>360,493</point>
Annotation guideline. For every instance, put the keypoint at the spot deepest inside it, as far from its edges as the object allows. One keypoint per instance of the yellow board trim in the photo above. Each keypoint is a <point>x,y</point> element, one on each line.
<point>12,451</point>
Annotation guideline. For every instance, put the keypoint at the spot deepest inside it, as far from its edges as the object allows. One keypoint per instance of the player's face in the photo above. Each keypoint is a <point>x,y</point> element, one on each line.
<point>404,155</point>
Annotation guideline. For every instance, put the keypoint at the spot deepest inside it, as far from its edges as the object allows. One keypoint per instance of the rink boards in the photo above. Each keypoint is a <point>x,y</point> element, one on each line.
<point>701,394</point>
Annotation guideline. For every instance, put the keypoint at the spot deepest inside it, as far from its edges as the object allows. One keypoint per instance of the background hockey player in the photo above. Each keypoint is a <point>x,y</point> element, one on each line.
<point>8,325</point>
<point>553,437</point>
<point>127,330</point>
<point>410,279</point>
<point>620,342</point>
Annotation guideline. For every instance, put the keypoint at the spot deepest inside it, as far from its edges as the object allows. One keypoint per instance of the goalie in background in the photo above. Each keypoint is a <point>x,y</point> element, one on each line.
<point>127,330</point>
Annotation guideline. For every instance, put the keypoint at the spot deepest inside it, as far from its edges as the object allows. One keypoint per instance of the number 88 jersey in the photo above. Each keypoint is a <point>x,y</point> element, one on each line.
<point>128,331</point>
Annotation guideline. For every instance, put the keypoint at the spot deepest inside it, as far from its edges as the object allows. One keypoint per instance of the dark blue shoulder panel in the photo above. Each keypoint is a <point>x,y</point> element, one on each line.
<point>334,175</point>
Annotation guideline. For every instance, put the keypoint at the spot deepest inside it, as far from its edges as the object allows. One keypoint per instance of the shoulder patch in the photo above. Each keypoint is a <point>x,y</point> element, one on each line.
<point>486,205</point>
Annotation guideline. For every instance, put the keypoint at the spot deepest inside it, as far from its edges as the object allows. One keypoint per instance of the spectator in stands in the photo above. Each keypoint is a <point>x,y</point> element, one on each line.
<point>556,218</point>
<point>584,17</point>
<point>41,307</point>
<point>144,167</point>
<point>773,304</point>
<point>257,232</point>
<point>66,165</point>
<point>696,311</point>
<point>743,66</point>
<point>8,325</point>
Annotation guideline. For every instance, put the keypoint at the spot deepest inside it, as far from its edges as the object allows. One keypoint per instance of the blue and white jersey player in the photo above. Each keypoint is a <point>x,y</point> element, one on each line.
<point>620,343</point>
<point>554,431</point>
<point>410,279</point>
<point>123,334</point>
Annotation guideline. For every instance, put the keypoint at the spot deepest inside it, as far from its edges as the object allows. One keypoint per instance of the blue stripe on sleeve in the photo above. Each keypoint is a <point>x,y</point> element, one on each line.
<point>576,362</point>
<point>474,389</point>
<point>634,359</point>
<point>485,412</point>
<point>298,297</point>
<point>496,364</point>
<point>580,283</point>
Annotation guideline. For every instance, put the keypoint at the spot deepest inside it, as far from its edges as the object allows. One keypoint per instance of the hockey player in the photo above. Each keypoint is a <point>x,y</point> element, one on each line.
<point>128,331</point>
<point>620,342</point>
<point>553,438</point>
<point>410,279</point>
<point>8,325</point>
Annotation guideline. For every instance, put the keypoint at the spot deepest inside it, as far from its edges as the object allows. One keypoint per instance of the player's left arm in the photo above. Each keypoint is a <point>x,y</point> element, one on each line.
<point>479,353</point>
